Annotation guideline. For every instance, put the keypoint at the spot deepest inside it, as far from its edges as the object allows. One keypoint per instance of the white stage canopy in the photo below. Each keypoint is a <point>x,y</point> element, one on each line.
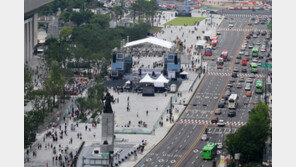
<point>151,40</point>
<point>147,79</point>
<point>161,79</point>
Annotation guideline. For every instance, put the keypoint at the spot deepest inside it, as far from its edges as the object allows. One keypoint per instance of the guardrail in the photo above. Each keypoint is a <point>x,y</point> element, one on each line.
<point>74,162</point>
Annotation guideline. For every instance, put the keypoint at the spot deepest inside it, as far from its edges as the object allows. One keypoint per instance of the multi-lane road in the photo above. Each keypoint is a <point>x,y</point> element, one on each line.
<point>182,146</point>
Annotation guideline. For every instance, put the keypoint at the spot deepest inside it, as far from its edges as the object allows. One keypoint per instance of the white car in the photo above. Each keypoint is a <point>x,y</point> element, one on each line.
<point>221,123</point>
<point>204,137</point>
<point>230,25</point>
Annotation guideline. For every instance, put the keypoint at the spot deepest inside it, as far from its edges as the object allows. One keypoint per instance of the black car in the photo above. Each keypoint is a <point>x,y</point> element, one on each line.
<point>248,36</point>
<point>231,113</point>
<point>214,120</point>
<point>221,105</point>
<point>239,57</point>
<point>234,75</point>
<point>264,33</point>
<point>244,70</point>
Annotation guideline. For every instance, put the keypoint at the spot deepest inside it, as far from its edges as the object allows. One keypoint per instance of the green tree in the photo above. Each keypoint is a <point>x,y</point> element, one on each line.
<point>118,11</point>
<point>65,16</point>
<point>101,20</point>
<point>55,82</point>
<point>28,83</point>
<point>77,18</point>
<point>65,33</point>
<point>249,140</point>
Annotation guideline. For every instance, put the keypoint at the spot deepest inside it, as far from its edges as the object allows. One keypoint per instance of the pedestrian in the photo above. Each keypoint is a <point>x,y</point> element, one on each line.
<point>147,113</point>
<point>85,127</point>
<point>137,114</point>
<point>94,134</point>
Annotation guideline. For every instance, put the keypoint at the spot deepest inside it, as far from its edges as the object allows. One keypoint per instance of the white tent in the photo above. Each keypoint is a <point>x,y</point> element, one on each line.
<point>147,79</point>
<point>184,73</point>
<point>151,40</point>
<point>161,79</point>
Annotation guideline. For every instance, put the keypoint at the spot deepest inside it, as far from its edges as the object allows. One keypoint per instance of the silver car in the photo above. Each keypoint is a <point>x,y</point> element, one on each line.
<point>249,80</point>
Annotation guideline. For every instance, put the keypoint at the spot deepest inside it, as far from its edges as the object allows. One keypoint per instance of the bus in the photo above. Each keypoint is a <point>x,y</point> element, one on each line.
<point>232,101</point>
<point>255,51</point>
<point>224,55</point>
<point>219,63</point>
<point>259,87</point>
<point>208,51</point>
<point>209,151</point>
<point>254,68</point>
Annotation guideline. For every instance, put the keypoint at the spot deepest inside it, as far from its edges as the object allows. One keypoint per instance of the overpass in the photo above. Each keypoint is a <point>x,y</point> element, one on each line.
<point>31,8</point>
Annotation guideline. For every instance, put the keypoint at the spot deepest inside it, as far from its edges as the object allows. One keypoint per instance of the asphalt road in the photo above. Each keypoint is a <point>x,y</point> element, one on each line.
<point>182,145</point>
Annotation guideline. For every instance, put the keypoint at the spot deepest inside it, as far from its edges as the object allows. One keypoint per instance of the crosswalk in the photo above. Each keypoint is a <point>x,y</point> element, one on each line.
<point>239,75</point>
<point>206,122</point>
<point>241,29</point>
<point>246,15</point>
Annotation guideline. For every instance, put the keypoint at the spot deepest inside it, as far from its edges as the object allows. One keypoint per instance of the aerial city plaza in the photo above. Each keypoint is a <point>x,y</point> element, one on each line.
<point>147,83</point>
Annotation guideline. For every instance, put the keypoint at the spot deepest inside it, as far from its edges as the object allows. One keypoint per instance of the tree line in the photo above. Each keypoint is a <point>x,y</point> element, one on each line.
<point>90,42</point>
<point>249,140</point>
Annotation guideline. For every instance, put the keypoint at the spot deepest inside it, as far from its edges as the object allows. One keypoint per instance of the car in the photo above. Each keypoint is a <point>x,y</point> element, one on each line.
<point>221,123</point>
<point>238,57</point>
<point>218,33</point>
<point>219,145</point>
<point>253,18</point>
<point>258,43</point>
<point>243,48</point>
<point>257,32</point>
<point>235,69</point>
<point>241,53</point>
<point>230,25</point>
<point>204,137</point>
<point>248,87</point>
<point>249,80</point>
<point>231,81</point>
<point>218,111</point>
<point>263,33</point>
<point>214,120</point>
<point>255,36</point>
<point>230,84</point>
<point>248,36</point>
<point>237,61</point>
<point>267,36</point>
<point>259,64</point>
<point>251,46</point>
<point>244,70</point>
<point>255,60</point>
<point>241,79</point>
<point>225,97</point>
<point>231,114</point>
<point>221,105</point>
<point>244,45</point>
<point>234,75</point>
<point>249,23</point>
<point>238,85</point>
<point>252,75</point>
<point>247,53</point>
<point>248,93</point>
